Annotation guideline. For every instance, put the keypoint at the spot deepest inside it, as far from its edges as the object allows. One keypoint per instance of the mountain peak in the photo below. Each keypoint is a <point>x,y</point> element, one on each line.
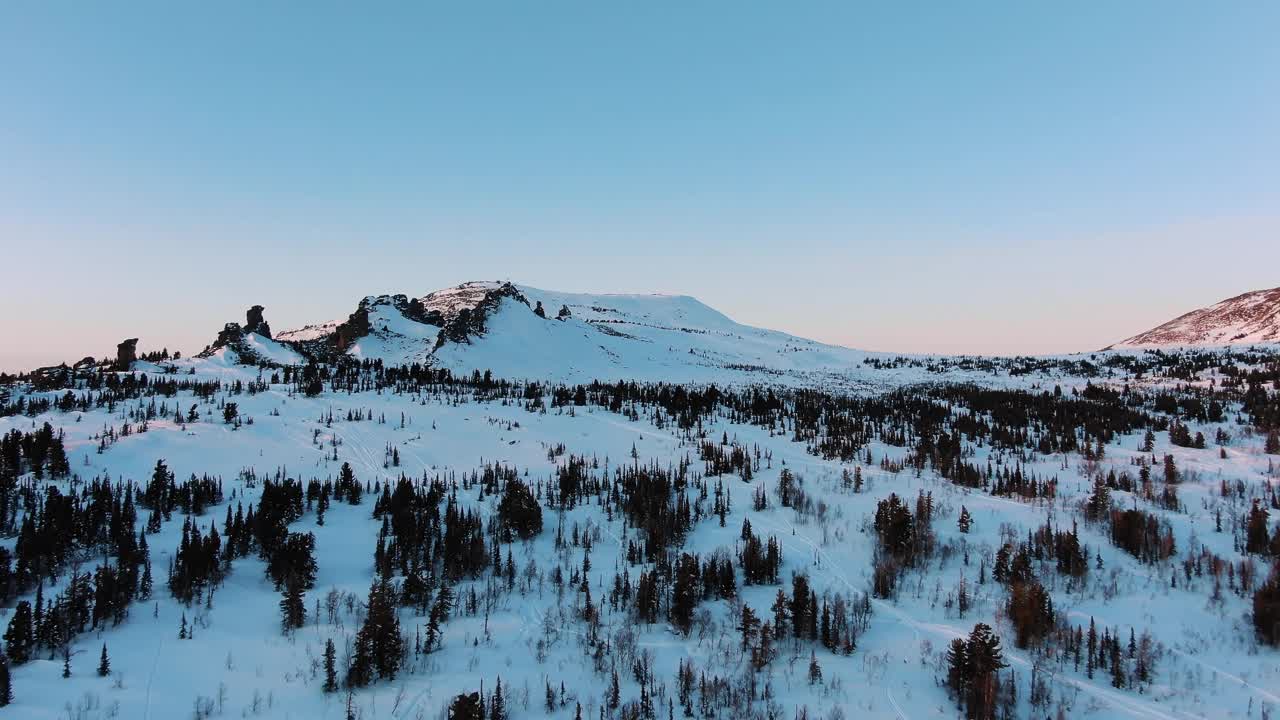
<point>1252,317</point>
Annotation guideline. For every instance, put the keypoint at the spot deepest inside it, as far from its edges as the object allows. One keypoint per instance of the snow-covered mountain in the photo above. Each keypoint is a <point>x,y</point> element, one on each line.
<point>524,332</point>
<point>1253,317</point>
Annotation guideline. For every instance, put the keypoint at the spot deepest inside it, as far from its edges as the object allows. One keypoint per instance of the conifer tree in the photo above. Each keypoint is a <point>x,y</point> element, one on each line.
<point>293,608</point>
<point>747,626</point>
<point>144,589</point>
<point>498,704</point>
<point>330,667</point>
<point>104,663</point>
<point>815,671</point>
<point>379,645</point>
<point>1266,609</point>
<point>6,682</point>
<point>958,667</point>
<point>439,614</point>
<point>20,638</point>
<point>684,592</point>
<point>972,667</point>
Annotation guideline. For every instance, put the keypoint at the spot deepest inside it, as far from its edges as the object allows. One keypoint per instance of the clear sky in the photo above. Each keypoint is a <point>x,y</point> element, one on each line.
<point>950,177</point>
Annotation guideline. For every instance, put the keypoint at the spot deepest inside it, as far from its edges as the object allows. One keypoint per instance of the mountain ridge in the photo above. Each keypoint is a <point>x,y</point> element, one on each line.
<point>523,331</point>
<point>1251,317</point>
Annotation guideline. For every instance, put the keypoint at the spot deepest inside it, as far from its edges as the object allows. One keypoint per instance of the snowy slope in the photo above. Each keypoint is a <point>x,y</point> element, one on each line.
<point>494,326</point>
<point>309,332</point>
<point>243,664</point>
<point>1253,317</point>
<point>392,337</point>
<point>641,337</point>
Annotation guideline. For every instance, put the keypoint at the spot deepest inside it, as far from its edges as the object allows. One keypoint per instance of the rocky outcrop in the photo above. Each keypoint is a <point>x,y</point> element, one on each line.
<point>126,354</point>
<point>469,322</point>
<point>460,313</point>
<point>564,313</point>
<point>356,327</point>
<point>416,311</point>
<point>255,323</point>
<point>232,336</point>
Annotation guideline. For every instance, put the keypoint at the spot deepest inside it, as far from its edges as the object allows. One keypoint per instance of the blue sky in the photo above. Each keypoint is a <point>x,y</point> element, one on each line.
<point>949,177</point>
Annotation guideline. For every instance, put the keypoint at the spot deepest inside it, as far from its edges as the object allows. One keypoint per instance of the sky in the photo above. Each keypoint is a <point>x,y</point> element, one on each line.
<point>980,177</point>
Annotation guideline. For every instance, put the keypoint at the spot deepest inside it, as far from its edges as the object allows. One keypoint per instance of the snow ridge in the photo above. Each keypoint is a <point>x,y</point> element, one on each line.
<point>1253,317</point>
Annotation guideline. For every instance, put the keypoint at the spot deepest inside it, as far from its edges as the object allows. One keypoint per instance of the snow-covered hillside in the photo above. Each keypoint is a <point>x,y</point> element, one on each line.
<point>1251,318</point>
<point>808,538</point>
<point>498,327</point>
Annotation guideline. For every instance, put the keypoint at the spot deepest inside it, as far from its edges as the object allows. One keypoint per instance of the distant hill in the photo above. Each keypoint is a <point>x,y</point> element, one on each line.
<point>1253,317</point>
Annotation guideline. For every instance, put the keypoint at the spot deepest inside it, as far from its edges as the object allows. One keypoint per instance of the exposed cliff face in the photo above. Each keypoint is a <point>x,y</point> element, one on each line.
<point>401,328</point>
<point>356,327</point>
<point>1253,317</point>
<point>255,323</point>
<point>126,354</point>
<point>469,307</point>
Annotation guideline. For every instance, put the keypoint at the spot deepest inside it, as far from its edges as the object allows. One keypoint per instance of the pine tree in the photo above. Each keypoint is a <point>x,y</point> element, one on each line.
<point>438,615</point>
<point>1266,609</point>
<point>780,614</point>
<point>958,667</point>
<point>684,592</point>
<point>748,626</point>
<point>104,663</point>
<point>293,607</point>
<point>1117,666</point>
<point>6,682</point>
<point>815,671</point>
<point>615,692</point>
<point>519,511</point>
<point>144,590</point>
<point>1257,539</point>
<point>360,672</point>
<point>19,638</point>
<point>498,705</point>
<point>379,645</point>
<point>800,618</point>
<point>966,520</point>
<point>330,667</point>
<point>984,659</point>
<point>1091,663</point>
